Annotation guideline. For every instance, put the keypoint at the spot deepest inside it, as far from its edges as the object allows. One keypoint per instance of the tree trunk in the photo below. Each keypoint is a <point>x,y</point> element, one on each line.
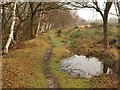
<point>105,29</point>
<point>105,24</point>
<point>38,28</point>
<point>3,18</point>
<point>10,38</point>
<point>118,6</point>
<point>47,26</point>
<point>50,26</point>
<point>42,28</point>
<point>39,24</point>
<point>16,32</point>
<point>32,33</point>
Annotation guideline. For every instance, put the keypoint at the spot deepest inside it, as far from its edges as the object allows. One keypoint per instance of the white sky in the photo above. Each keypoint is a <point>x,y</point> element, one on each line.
<point>91,14</point>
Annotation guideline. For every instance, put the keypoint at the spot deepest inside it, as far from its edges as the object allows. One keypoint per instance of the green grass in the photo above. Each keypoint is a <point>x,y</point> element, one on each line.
<point>65,80</point>
<point>90,33</point>
<point>56,42</point>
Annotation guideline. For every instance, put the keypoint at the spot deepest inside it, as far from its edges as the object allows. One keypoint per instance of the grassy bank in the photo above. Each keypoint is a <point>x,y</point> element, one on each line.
<point>23,67</point>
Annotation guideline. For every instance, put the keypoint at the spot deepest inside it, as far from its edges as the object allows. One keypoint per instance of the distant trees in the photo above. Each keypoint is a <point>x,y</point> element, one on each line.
<point>61,18</point>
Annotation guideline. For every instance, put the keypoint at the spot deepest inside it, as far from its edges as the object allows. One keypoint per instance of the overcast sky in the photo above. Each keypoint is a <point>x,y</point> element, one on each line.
<point>91,14</point>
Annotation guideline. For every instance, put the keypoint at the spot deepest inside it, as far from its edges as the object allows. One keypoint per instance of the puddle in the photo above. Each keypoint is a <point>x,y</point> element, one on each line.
<point>83,66</point>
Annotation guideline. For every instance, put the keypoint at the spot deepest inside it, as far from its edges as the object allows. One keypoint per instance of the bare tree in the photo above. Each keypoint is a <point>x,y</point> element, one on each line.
<point>104,14</point>
<point>10,38</point>
<point>105,19</point>
<point>105,23</point>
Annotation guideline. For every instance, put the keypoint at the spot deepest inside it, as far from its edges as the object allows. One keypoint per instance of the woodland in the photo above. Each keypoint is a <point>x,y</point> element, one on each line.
<point>37,37</point>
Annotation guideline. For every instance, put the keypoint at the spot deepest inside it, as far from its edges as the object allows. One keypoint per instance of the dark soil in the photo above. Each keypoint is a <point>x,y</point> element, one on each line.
<point>51,79</point>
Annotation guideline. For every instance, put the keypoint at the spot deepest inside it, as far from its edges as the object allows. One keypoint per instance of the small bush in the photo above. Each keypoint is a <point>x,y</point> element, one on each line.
<point>59,32</point>
<point>75,27</point>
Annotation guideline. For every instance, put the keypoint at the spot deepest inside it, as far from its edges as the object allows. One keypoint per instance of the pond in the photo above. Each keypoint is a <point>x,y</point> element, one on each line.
<point>83,66</point>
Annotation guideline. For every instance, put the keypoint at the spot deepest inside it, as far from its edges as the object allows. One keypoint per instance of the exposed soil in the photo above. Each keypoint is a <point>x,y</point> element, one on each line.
<point>51,79</point>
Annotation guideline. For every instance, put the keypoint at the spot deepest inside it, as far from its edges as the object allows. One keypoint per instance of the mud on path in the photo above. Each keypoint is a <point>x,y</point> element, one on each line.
<point>51,79</point>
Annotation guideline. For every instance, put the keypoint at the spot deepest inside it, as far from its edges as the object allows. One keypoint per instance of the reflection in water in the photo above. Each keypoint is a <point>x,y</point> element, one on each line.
<point>82,66</point>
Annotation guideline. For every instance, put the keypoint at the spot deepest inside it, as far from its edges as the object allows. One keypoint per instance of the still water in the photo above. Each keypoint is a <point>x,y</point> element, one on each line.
<point>82,66</point>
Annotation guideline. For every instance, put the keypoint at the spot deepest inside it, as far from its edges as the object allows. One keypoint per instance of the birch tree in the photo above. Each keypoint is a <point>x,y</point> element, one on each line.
<point>10,38</point>
<point>39,23</point>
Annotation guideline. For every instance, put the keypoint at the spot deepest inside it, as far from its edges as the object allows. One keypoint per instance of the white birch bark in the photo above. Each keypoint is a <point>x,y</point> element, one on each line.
<point>39,24</point>
<point>47,26</point>
<point>10,38</point>
<point>50,26</point>
<point>42,28</point>
<point>38,29</point>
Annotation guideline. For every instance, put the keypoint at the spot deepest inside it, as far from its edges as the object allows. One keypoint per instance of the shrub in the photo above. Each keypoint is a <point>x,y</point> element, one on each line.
<point>59,32</point>
<point>75,27</point>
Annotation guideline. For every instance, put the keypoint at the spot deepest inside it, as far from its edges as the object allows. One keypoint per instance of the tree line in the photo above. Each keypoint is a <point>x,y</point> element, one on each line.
<point>27,20</point>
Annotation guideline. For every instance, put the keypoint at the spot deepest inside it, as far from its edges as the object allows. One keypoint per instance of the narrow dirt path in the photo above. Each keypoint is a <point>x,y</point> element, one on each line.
<point>51,79</point>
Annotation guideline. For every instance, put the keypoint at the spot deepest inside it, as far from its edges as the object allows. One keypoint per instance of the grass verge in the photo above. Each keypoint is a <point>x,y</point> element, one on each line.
<point>23,67</point>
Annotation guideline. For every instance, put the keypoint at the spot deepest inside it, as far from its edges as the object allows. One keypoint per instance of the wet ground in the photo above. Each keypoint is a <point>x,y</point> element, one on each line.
<point>83,66</point>
<point>51,79</point>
